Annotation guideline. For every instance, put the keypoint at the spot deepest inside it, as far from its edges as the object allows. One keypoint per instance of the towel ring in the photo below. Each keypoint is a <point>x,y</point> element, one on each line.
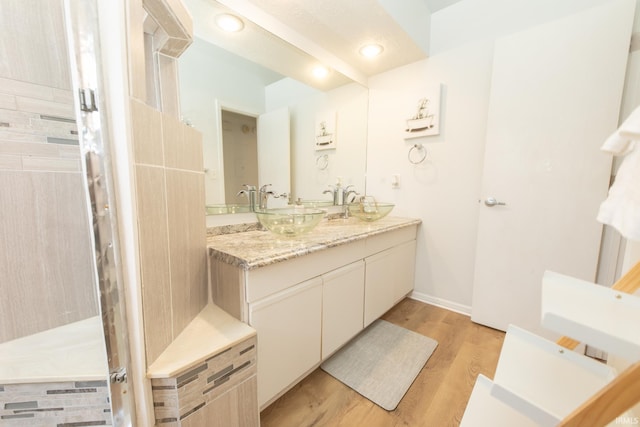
<point>423,154</point>
<point>322,162</point>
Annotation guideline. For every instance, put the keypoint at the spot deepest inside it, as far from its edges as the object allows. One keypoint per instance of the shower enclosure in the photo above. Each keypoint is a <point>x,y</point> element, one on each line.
<point>63,349</point>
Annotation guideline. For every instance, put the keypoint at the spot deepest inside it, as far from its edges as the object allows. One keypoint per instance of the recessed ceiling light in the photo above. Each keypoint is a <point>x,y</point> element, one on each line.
<point>229,22</point>
<point>320,72</point>
<point>371,50</point>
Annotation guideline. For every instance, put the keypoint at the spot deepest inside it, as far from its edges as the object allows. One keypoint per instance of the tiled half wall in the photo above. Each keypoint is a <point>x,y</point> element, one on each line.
<point>188,399</point>
<point>169,184</point>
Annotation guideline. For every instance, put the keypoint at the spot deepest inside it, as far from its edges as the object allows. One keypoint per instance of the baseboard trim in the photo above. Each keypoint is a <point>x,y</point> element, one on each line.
<point>442,303</point>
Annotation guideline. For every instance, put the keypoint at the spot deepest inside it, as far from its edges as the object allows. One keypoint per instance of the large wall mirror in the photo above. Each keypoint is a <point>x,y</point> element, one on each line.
<point>218,86</point>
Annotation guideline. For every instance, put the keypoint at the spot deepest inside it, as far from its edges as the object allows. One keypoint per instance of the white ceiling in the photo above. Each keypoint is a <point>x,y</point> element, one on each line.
<point>292,36</point>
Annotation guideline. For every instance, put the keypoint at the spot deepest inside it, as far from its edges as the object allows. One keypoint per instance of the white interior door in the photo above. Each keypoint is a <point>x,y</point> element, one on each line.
<point>274,152</point>
<point>555,97</point>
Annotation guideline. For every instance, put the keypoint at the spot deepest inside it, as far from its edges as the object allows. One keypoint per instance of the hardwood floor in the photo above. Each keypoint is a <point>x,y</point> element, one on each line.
<point>437,397</point>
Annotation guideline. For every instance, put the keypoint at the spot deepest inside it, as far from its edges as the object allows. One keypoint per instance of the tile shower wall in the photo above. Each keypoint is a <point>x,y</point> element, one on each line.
<point>45,251</point>
<point>62,404</point>
<point>172,234</point>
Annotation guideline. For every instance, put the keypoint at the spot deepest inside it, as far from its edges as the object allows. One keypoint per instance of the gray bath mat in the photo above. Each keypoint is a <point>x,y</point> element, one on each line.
<point>382,362</point>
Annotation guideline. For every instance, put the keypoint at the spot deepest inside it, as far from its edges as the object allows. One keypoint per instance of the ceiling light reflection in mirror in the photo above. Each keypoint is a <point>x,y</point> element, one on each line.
<point>229,23</point>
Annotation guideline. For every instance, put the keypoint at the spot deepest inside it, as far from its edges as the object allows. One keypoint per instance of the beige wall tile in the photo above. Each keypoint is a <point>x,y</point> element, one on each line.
<point>136,50</point>
<point>154,259</point>
<point>8,101</point>
<point>172,141</point>
<point>22,88</point>
<point>168,77</point>
<point>192,151</point>
<point>19,119</point>
<point>30,149</point>
<point>187,243</point>
<point>40,106</point>
<point>45,21</point>
<point>33,163</point>
<point>8,136</point>
<point>147,134</point>
<point>10,162</point>
<point>45,253</point>
<point>63,96</point>
<point>182,145</point>
<point>68,151</point>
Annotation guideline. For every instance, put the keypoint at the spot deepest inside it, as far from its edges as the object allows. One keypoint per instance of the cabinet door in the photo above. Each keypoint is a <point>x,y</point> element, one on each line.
<point>289,335</point>
<point>235,408</point>
<point>389,275</point>
<point>342,306</point>
<point>404,260</point>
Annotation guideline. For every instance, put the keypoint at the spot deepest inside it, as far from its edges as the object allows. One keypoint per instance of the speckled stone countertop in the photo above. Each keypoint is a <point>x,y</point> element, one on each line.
<point>258,248</point>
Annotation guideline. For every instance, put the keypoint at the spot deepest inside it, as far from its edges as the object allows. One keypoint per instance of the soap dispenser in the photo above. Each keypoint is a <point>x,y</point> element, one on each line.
<point>338,195</point>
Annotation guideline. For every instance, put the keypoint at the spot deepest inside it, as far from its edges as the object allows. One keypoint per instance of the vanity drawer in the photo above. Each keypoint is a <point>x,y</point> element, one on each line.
<point>380,242</point>
<point>264,281</point>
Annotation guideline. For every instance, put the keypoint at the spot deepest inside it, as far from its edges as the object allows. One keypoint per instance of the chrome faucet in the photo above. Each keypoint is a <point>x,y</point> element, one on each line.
<point>342,196</point>
<point>250,192</point>
<point>346,193</point>
<point>264,196</point>
<point>332,190</point>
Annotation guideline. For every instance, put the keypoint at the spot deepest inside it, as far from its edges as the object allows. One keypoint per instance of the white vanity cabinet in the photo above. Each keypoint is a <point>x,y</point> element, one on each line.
<point>289,326</point>
<point>390,276</point>
<point>306,305</point>
<point>342,306</point>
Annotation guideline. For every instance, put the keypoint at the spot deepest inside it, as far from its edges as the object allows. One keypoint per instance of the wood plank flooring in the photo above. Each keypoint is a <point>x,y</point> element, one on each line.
<point>437,397</point>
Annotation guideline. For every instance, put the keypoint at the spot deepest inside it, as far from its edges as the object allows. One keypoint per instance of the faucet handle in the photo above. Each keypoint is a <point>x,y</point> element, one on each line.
<point>264,187</point>
<point>249,187</point>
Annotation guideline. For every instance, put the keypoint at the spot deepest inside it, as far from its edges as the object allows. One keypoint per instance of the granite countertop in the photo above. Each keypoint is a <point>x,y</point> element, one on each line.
<point>258,248</point>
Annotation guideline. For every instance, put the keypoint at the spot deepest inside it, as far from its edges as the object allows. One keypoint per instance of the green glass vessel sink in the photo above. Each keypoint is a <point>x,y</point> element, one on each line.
<point>290,221</point>
<point>370,211</point>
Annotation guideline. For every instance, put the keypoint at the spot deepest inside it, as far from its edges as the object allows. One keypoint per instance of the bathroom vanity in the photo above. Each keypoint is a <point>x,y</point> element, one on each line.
<point>308,296</point>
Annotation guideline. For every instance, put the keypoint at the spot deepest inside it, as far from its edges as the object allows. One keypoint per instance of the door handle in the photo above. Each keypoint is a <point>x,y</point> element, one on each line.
<point>491,202</point>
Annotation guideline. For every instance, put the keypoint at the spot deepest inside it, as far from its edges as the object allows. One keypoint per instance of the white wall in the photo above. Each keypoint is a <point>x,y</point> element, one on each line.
<point>444,190</point>
<point>474,20</point>
<point>347,160</point>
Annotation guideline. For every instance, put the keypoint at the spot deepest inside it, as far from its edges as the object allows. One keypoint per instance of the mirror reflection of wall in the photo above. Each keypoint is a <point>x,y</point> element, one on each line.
<point>212,78</point>
<point>240,154</point>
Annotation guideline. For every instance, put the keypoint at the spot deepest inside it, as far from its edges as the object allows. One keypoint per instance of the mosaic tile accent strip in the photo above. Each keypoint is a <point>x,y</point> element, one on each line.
<point>60,404</point>
<point>36,123</point>
<point>178,397</point>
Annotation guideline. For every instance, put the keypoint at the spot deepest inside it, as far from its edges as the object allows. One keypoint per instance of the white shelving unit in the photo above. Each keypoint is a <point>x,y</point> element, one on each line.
<point>542,383</point>
<point>603,317</point>
<point>484,409</point>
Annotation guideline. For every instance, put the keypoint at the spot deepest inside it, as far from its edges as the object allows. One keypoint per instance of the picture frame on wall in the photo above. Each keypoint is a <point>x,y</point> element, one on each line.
<point>325,132</point>
<point>425,118</point>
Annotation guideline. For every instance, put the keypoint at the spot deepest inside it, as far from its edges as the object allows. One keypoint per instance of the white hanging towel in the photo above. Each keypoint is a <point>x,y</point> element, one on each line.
<point>621,209</point>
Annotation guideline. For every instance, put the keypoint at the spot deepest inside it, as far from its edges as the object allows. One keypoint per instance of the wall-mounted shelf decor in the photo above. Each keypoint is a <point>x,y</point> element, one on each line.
<point>325,130</point>
<point>425,118</point>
